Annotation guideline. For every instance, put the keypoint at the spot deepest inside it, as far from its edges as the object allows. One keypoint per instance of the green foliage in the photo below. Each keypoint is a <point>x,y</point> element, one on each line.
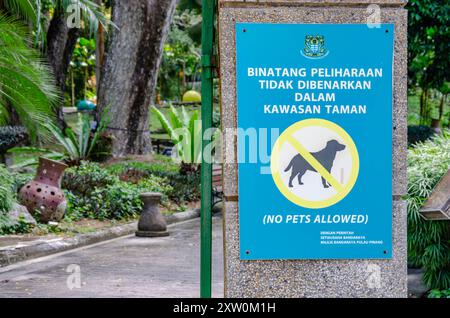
<point>35,13</point>
<point>186,187</point>
<point>181,56</point>
<point>436,293</point>
<point>20,179</point>
<point>419,134</point>
<point>115,201</point>
<point>183,187</point>
<point>29,156</point>
<point>82,68</point>
<point>6,190</point>
<point>19,227</point>
<point>93,192</point>
<point>26,83</point>
<point>149,168</point>
<point>78,144</point>
<point>185,131</point>
<point>428,62</point>
<point>428,43</point>
<point>154,183</point>
<point>11,136</point>
<point>428,241</point>
<point>8,186</point>
<point>85,178</point>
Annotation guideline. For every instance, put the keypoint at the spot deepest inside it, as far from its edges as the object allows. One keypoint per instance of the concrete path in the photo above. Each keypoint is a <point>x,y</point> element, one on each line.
<point>124,267</point>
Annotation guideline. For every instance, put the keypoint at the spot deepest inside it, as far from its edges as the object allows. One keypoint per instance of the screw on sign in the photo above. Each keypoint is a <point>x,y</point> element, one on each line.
<point>315,163</point>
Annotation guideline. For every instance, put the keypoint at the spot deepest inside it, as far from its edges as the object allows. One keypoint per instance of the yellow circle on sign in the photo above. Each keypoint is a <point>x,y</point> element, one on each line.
<point>342,190</point>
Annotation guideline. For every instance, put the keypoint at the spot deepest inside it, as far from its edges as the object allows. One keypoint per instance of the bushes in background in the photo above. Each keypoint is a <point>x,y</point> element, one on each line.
<point>185,187</point>
<point>428,241</point>
<point>94,192</point>
<point>81,180</point>
<point>9,184</point>
<point>6,189</point>
<point>419,134</point>
<point>115,201</point>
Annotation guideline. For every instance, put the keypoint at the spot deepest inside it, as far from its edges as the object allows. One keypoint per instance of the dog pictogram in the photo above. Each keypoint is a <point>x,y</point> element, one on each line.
<point>325,157</point>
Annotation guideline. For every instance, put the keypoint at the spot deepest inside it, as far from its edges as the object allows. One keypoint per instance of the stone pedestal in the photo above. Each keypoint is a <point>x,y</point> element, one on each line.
<point>151,223</point>
<point>313,278</point>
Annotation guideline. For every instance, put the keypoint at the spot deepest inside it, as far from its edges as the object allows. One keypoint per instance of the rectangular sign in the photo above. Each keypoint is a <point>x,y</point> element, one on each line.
<point>314,140</point>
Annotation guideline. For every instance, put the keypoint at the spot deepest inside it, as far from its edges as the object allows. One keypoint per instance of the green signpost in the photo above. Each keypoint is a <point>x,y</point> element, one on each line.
<point>208,10</point>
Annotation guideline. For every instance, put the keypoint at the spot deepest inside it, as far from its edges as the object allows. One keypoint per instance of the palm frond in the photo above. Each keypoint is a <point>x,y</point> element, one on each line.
<point>91,12</point>
<point>29,11</point>
<point>25,80</point>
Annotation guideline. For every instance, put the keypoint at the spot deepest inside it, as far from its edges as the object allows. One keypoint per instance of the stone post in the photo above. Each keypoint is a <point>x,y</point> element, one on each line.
<point>313,277</point>
<point>151,223</point>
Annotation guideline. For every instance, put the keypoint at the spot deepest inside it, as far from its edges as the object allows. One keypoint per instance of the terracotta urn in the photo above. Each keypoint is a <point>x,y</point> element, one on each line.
<point>43,196</point>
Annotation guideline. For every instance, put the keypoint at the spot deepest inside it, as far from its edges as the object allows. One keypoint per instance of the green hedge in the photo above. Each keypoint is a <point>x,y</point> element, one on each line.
<point>428,241</point>
<point>95,192</point>
<point>184,187</point>
<point>10,183</point>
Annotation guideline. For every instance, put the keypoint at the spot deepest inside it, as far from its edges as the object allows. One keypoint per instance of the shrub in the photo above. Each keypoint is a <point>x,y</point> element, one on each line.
<point>428,241</point>
<point>20,179</point>
<point>6,190</point>
<point>156,184</point>
<point>419,134</point>
<point>19,227</point>
<point>85,178</point>
<point>185,187</point>
<point>8,186</point>
<point>11,136</point>
<point>115,201</point>
<point>436,293</point>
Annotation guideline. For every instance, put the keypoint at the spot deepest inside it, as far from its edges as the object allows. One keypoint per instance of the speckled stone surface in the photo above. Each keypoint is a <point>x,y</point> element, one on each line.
<point>312,278</point>
<point>241,3</point>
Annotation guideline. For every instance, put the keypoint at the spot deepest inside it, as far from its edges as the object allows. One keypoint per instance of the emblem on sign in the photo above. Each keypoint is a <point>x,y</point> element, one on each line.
<point>315,163</point>
<point>314,47</point>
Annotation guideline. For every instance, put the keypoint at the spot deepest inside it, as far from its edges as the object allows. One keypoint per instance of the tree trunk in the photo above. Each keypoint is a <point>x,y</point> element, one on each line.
<point>99,50</point>
<point>130,70</point>
<point>61,41</point>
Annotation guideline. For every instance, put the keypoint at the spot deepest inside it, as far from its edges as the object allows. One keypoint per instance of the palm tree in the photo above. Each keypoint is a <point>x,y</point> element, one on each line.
<point>53,36</point>
<point>26,84</point>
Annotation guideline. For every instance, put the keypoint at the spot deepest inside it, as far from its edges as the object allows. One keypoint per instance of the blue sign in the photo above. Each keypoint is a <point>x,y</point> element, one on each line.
<point>314,140</point>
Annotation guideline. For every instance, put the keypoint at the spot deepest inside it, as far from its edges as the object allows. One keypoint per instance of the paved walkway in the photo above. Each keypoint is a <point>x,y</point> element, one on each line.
<point>124,267</point>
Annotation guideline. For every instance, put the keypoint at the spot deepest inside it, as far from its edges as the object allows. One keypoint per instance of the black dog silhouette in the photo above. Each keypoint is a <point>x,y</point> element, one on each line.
<point>325,156</point>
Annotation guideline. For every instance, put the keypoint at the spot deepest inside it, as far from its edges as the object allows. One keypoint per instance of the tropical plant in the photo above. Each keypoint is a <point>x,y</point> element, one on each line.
<point>185,131</point>
<point>6,190</point>
<point>428,241</point>
<point>78,144</point>
<point>428,47</point>
<point>82,68</point>
<point>82,179</point>
<point>436,293</point>
<point>180,63</point>
<point>26,84</point>
<point>32,13</point>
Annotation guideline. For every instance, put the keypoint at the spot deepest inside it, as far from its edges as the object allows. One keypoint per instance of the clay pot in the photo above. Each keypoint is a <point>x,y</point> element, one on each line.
<point>43,196</point>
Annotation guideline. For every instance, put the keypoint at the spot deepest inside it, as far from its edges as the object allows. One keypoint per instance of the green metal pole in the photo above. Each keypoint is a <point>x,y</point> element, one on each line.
<point>206,172</point>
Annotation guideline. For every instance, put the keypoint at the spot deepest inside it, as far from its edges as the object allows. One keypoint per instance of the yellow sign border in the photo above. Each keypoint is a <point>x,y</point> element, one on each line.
<point>286,136</point>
